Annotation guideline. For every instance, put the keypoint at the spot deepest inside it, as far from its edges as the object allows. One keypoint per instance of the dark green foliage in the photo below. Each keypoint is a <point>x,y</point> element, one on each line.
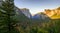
<point>52,26</point>
<point>7,21</point>
<point>34,30</point>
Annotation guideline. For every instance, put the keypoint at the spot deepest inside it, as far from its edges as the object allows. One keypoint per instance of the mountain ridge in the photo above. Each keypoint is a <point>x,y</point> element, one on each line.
<point>51,13</point>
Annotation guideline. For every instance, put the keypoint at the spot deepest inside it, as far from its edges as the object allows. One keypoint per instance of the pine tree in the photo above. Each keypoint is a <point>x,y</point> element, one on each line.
<point>6,17</point>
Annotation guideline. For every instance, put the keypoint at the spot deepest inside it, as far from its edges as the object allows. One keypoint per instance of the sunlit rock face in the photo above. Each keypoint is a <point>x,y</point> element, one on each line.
<point>50,13</point>
<point>57,10</point>
<point>26,12</point>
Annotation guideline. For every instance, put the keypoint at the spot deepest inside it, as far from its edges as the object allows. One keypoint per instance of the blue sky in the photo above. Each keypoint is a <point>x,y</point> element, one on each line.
<point>36,6</point>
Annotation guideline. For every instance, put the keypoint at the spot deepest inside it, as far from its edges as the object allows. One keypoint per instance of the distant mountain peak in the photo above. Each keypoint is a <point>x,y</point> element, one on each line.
<point>51,13</point>
<point>26,12</point>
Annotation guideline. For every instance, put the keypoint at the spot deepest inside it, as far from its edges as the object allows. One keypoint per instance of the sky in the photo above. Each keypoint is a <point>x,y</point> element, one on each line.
<point>36,6</point>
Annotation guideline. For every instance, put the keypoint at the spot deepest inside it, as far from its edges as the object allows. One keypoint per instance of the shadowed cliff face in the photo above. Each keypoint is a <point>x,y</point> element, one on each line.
<point>26,12</point>
<point>20,14</point>
<point>22,20</point>
<point>41,17</point>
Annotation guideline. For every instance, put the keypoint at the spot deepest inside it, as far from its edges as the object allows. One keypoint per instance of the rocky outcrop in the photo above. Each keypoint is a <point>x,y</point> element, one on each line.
<point>52,12</point>
<point>26,12</point>
<point>48,13</point>
<point>41,17</point>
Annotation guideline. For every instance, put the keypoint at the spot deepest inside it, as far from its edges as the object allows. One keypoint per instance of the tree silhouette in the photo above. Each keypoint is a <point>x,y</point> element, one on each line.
<point>7,20</point>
